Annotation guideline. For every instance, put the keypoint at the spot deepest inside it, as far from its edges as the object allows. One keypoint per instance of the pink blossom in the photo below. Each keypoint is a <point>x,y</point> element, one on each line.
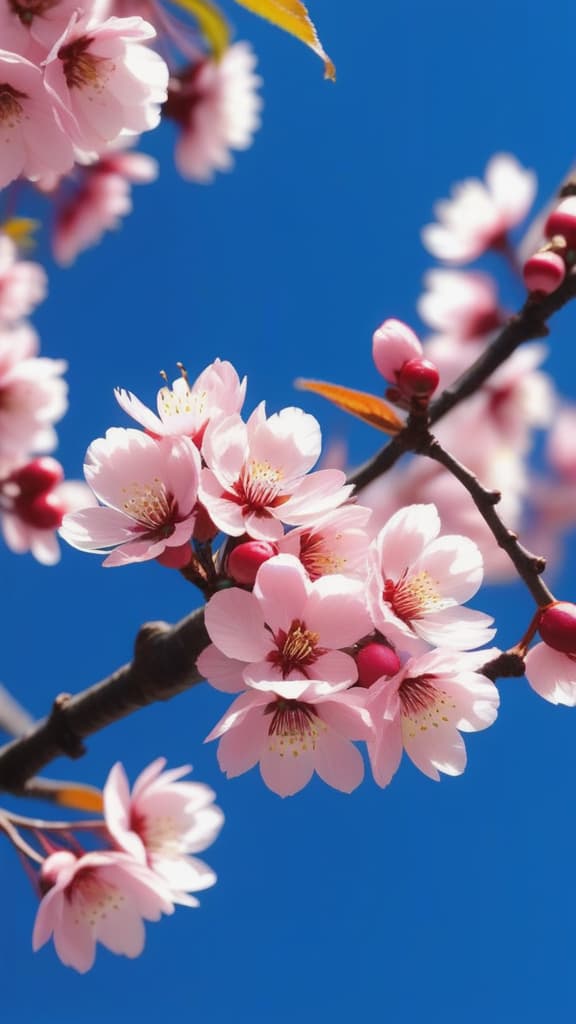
<point>336,543</point>
<point>161,822</point>
<point>22,283</point>
<point>424,708</point>
<point>561,448</point>
<point>149,488</point>
<point>99,897</point>
<point>186,409</point>
<point>108,84</point>
<point>32,394</point>
<point>479,215</point>
<point>552,674</point>
<point>419,581</point>
<point>100,201</point>
<point>217,108</point>
<point>393,344</point>
<point>35,529</point>
<point>460,304</point>
<point>34,144</point>
<point>287,633</point>
<point>30,27</point>
<point>256,476</point>
<point>293,738</point>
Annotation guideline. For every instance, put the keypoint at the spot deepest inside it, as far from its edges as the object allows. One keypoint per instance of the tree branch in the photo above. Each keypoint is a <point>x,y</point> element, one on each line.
<point>528,324</point>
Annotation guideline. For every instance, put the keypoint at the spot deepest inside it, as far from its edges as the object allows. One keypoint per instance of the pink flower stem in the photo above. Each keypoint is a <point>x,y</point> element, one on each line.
<point>16,839</point>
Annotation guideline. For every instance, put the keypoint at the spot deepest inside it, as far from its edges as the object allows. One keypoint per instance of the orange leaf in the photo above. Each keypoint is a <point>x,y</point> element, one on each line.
<point>292,16</point>
<point>79,796</point>
<point>370,408</point>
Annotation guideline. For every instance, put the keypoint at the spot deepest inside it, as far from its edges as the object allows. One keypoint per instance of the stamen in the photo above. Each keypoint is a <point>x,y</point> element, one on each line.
<point>11,110</point>
<point>412,596</point>
<point>296,649</point>
<point>424,705</point>
<point>294,728</point>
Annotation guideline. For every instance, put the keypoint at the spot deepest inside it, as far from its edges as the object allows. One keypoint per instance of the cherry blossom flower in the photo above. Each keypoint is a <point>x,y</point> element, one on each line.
<point>479,216</point>
<point>287,633</point>
<point>552,674</point>
<point>336,543</point>
<point>107,83</point>
<point>161,822</point>
<point>186,409</point>
<point>32,394</point>
<point>98,204</point>
<point>34,144</point>
<point>463,305</point>
<point>149,488</point>
<point>393,345</point>
<point>217,108</point>
<point>419,581</point>
<point>561,450</point>
<point>423,709</point>
<point>22,283</point>
<point>30,522</point>
<point>256,477</point>
<point>293,738</point>
<point>98,897</point>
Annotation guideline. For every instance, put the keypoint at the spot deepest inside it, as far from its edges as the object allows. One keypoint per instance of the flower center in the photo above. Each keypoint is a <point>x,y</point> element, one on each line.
<point>412,596</point>
<point>11,110</point>
<point>296,649</point>
<point>317,558</point>
<point>424,705</point>
<point>159,833</point>
<point>294,727</point>
<point>83,69</point>
<point>150,505</point>
<point>92,897</point>
<point>258,487</point>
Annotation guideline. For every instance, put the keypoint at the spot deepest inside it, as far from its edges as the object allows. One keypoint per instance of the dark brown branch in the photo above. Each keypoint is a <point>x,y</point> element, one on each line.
<point>164,664</point>
<point>528,324</point>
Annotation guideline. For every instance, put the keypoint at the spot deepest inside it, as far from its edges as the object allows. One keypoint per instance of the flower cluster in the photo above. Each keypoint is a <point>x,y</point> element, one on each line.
<point>33,396</point>
<point>148,865</point>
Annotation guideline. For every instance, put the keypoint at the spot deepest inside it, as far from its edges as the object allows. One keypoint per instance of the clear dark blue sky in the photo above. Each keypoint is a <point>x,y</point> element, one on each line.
<point>428,902</point>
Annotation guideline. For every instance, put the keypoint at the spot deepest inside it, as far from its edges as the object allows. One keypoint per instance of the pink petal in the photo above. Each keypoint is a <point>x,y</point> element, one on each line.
<point>222,673</point>
<point>338,762</point>
<point>282,588</point>
<point>235,623</point>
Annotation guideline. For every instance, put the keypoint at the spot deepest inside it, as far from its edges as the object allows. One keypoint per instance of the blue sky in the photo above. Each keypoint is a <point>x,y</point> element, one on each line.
<point>439,902</point>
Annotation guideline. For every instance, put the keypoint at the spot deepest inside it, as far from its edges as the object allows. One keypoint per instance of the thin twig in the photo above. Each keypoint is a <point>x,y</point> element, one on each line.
<point>16,839</point>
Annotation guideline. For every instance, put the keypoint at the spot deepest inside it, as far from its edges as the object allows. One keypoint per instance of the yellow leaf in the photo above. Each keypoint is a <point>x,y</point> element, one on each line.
<point>292,16</point>
<point>211,22</point>
<point>21,230</point>
<point>370,408</point>
<point>79,796</point>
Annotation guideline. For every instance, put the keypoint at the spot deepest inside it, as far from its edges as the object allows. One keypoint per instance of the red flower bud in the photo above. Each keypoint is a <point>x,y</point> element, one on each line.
<point>44,511</point>
<point>557,626</point>
<point>374,661</point>
<point>418,378</point>
<point>562,221</point>
<point>38,476</point>
<point>245,560</point>
<point>544,272</point>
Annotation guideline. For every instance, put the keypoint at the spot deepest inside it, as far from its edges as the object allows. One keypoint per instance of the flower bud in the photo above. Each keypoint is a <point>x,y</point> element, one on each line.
<point>418,378</point>
<point>562,221</point>
<point>544,272</point>
<point>245,560</point>
<point>374,661</point>
<point>44,511</point>
<point>175,558</point>
<point>557,626</point>
<point>38,476</point>
<point>393,344</point>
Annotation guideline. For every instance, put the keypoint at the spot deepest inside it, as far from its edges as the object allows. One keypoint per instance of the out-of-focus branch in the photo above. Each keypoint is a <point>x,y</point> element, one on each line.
<point>14,719</point>
<point>528,324</point>
<point>164,664</point>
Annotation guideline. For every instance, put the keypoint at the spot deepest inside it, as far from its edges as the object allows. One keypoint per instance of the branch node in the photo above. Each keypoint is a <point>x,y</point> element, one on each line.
<point>494,497</point>
<point>67,740</point>
<point>538,564</point>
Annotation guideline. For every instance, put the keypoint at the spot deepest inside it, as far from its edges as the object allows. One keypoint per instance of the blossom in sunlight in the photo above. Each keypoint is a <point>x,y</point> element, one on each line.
<point>98,897</point>
<point>419,581</point>
<point>107,83</point>
<point>30,516</point>
<point>185,408</point>
<point>33,142</point>
<point>424,707</point>
<point>33,395</point>
<point>293,738</point>
<point>480,214</point>
<point>287,633</point>
<point>161,822</point>
<point>463,305</point>
<point>217,109</point>
<point>22,283</point>
<point>149,490</point>
<point>99,202</point>
<point>256,477</point>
